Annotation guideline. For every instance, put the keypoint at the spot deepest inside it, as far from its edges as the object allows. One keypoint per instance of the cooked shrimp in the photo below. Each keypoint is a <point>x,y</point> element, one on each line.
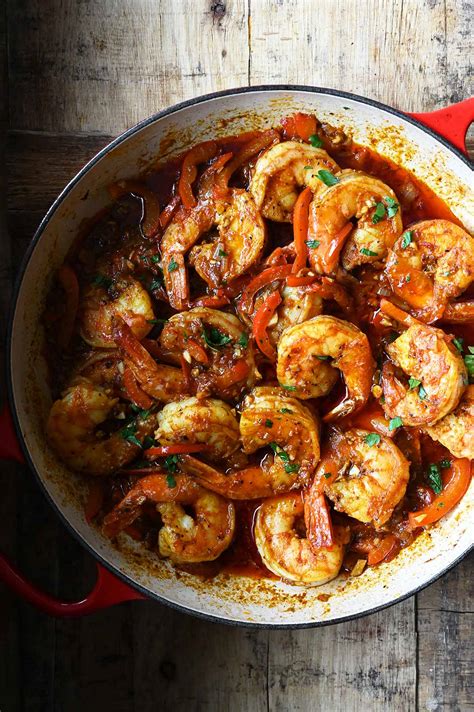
<point>428,358</point>
<point>456,430</point>
<point>72,431</point>
<point>310,355</point>
<point>281,541</point>
<point>282,171</point>
<point>160,381</point>
<point>183,538</point>
<point>98,311</point>
<point>432,263</point>
<point>215,345</point>
<point>270,419</point>
<point>355,196</point>
<point>200,420</point>
<point>365,478</point>
<point>238,244</point>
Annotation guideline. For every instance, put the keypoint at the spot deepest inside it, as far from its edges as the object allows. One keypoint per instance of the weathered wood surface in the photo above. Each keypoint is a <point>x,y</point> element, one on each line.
<point>79,72</point>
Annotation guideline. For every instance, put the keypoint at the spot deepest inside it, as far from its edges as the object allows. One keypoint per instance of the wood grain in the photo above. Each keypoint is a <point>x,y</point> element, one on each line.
<point>79,72</point>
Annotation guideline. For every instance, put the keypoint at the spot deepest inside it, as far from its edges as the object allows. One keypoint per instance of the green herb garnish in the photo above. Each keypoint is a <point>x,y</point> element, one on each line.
<point>156,283</point>
<point>286,410</point>
<point>268,423</point>
<point>372,439</point>
<point>288,388</point>
<point>392,206</point>
<point>315,141</point>
<point>313,244</point>
<point>173,265</point>
<point>406,238</point>
<point>422,393</point>
<point>379,213</point>
<point>215,339</point>
<point>459,344</point>
<point>128,434</point>
<point>155,259</point>
<point>445,463</point>
<point>368,253</point>
<point>395,423</point>
<point>323,358</point>
<point>413,383</point>
<point>469,361</point>
<point>407,278</point>
<point>434,478</point>
<point>170,463</point>
<point>100,280</point>
<point>327,475</point>
<point>392,336</point>
<point>243,340</point>
<point>170,481</point>
<point>291,467</point>
<point>222,253</point>
<point>327,177</point>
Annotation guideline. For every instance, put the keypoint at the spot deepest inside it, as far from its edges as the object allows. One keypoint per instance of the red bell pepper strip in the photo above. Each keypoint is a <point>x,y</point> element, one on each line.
<point>456,481</point>
<point>305,280</point>
<point>299,125</point>
<point>168,212</point>
<point>260,324</point>
<point>268,276</point>
<point>134,392</point>
<point>198,154</point>
<point>380,552</point>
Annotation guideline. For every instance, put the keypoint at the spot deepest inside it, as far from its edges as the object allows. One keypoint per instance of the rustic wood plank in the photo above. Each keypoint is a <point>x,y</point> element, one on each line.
<point>368,663</point>
<point>446,652</point>
<point>196,665</point>
<point>411,54</point>
<point>104,66</point>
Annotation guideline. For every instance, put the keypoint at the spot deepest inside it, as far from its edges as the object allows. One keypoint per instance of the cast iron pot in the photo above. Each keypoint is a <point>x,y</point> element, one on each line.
<point>430,145</point>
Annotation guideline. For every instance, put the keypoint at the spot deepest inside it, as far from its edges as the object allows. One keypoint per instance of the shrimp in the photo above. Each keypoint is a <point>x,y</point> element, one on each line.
<point>98,312</point>
<point>183,538</point>
<point>215,345</point>
<point>160,381</point>
<point>71,430</point>
<point>364,479</point>
<point>431,263</point>
<point>436,371</point>
<point>204,420</point>
<point>310,355</point>
<point>456,430</point>
<point>238,244</point>
<point>281,171</point>
<point>281,541</point>
<point>355,196</point>
<point>270,419</point>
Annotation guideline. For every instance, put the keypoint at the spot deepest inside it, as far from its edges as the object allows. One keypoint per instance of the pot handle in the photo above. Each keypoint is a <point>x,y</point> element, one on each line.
<point>108,589</point>
<point>451,122</point>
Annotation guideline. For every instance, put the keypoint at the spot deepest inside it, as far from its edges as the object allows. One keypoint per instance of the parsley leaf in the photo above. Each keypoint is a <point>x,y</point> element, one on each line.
<point>413,383</point>
<point>312,244</point>
<point>459,343</point>
<point>434,478</point>
<point>392,206</point>
<point>469,361</point>
<point>155,284</point>
<point>268,423</point>
<point>170,463</point>
<point>280,452</point>
<point>243,340</point>
<point>215,339</point>
<point>406,238</point>
<point>407,278</point>
<point>372,439</point>
<point>222,253</point>
<point>291,467</point>
<point>315,141</point>
<point>173,265</point>
<point>327,177</point>
<point>392,336</point>
<point>368,253</point>
<point>155,258</point>
<point>148,441</point>
<point>170,481</point>
<point>323,358</point>
<point>100,280</point>
<point>327,475</point>
<point>128,434</point>
<point>286,410</point>
<point>395,423</point>
<point>379,213</point>
<point>445,463</point>
<point>288,388</point>
<point>422,393</point>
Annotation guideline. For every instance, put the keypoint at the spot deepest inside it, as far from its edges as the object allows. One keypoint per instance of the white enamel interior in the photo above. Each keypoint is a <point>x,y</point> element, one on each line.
<point>235,599</point>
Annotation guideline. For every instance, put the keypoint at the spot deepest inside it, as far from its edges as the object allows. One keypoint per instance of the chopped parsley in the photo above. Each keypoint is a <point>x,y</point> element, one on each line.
<point>156,283</point>
<point>422,393</point>
<point>313,244</point>
<point>392,336</point>
<point>413,383</point>
<point>379,213</point>
<point>170,463</point>
<point>128,434</point>
<point>155,258</point>
<point>434,478</point>
<point>392,206</point>
<point>215,339</point>
<point>315,141</point>
<point>323,358</point>
<point>291,467</point>
<point>327,177</point>
<point>459,344</point>
<point>148,441</point>
<point>407,278</point>
<point>288,388</point>
<point>469,361</point>
<point>100,280</point>
<point>173,265</point>
<point>157,321</point>
<point>268,423</point>
<point>143,414</point>
<point>170,481</point>
<point>395,423</point>
<point>406,238</point>
<point>445,463</point>
<point>327,475</point>
<point>368,253</point>
<point>372,439</point>
<point>243,340</point>
<point>222,253</point>
<point>286,410</point>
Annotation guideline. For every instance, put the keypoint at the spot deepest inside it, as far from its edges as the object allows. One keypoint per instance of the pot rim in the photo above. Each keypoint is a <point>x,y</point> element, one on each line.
<point>128,579</point>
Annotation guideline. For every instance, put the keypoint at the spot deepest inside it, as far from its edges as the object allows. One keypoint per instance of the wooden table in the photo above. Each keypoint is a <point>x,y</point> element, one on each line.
<point>76,73</point>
